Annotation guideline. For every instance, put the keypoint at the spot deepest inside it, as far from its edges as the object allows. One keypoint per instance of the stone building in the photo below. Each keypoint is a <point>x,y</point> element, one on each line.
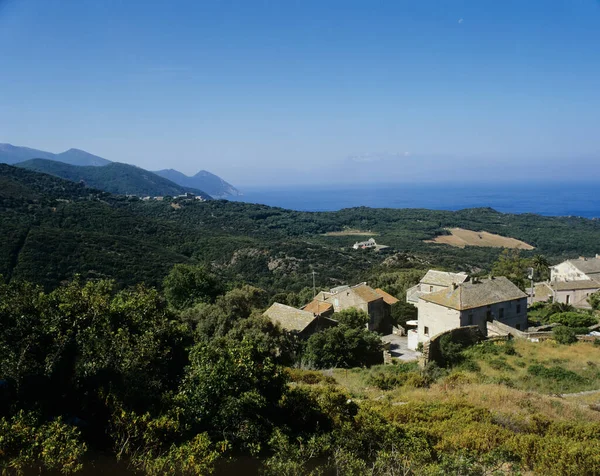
<point>475,302</point>
<point>376,304</point>
<point>300,322</point>
<point>432,282</point>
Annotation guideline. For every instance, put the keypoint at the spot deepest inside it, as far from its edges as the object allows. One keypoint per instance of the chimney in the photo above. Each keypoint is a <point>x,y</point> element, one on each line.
<point>454,286</point>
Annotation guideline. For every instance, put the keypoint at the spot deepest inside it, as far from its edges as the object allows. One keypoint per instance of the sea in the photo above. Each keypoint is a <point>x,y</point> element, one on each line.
<point>549,199</point>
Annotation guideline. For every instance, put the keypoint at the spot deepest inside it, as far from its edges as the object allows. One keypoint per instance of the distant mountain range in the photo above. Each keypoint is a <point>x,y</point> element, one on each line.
<point>114,177</point>
<point>212,184</point>
<point>11,154</point>
<point>119,178</point>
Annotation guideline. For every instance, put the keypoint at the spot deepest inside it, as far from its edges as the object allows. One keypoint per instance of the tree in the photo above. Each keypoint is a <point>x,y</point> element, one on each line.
<point>594,300</point>
<point>513,266</point>
<point>541,267</point>
<point>352,317</point>
<point>343,346</point>
<point>231,391</point>
<point>186,286</point>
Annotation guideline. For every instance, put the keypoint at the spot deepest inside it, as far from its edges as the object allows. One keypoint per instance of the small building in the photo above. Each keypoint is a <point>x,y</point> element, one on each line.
<point>574,293</point>
<point>434,281</point>
<point>581,269</point>
<point>474,302</point>
<point>365,298</point>
<point>363,245</point>
<point>300,322</point>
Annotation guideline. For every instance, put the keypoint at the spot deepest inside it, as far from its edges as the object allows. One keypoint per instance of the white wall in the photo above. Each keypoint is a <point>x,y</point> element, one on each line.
<point>565,271</point>
<point>436,318</point>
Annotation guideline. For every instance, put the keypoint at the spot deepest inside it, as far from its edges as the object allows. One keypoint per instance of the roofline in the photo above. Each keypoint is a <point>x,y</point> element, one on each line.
<point>471,307</point>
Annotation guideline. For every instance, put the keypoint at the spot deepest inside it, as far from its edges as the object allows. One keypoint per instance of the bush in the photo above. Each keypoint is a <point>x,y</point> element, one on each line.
<point>344,347</point>
<point>555,373</point>
<point>564,335</point>
<point>499,364</point>
<point>309,377</point>
<point>573,319</point>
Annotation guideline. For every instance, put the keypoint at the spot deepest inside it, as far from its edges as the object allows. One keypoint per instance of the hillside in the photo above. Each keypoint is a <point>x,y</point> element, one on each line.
<point>212,184</point>
<point>51,229</point>
<point>11,154</point>
<point>122,179</point>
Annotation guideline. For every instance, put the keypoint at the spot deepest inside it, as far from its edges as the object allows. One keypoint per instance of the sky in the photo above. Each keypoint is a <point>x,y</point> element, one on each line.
<point>294,91</point>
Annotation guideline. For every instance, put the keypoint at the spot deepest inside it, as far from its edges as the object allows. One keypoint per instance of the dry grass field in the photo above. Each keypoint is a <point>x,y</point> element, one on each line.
<point>460,238</point>
<point>503,384</point>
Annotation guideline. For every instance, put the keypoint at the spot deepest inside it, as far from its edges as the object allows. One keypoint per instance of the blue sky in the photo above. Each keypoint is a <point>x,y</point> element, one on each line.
<point>292,90</point>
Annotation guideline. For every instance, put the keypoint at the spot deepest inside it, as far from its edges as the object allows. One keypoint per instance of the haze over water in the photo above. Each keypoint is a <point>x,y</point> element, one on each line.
<point>551,199</point>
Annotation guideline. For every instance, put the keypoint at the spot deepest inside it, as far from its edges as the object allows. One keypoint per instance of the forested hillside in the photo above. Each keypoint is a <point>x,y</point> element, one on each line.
<point>52,229</point>
<point>114,177</point>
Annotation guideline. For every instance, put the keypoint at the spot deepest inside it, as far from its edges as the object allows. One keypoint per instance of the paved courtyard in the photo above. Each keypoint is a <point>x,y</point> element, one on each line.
<point>399,348</point>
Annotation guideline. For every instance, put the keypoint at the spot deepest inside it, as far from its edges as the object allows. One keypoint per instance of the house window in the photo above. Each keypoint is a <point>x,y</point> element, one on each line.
<point>568,299</point>
<point>488,316</point>
<point>430,289</point>
<point>426,330</point>
<point>500,313</point>
<point>470,319</point>
<point>518,309</point>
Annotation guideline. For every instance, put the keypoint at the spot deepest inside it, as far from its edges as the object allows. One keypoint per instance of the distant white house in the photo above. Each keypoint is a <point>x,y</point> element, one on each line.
<point>571,282</point>
<point>576,270</point>
<point>471,303</point>
<point>434,281</point>
<point>370,243</point>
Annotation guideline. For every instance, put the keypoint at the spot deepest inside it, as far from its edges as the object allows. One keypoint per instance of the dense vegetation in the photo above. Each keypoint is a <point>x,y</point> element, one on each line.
<point>52,229</point>
<point>184,374</point>
<point>88,369</point>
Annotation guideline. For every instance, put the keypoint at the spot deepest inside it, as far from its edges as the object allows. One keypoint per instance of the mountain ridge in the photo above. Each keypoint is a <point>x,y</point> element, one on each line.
<point>114,177</point>
<point>204,180</point>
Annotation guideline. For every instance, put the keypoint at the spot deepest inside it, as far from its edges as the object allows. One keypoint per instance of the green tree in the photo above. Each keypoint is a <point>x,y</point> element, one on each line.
<point>594,300</point>
<point>343,346</point>
<point>514,267</point>
<point>541,267</point>
<point>231,391</point>
<point>186,286</point>
<point>352,317</point>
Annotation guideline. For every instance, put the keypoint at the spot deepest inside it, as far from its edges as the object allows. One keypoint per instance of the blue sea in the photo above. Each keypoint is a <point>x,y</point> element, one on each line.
<point>551,199</point>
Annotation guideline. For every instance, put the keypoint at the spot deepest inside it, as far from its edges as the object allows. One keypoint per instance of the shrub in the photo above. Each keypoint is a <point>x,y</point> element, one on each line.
<point>573,319</point>
<point>499,364</point>
<point>564,335</point>
<point>557,373</point>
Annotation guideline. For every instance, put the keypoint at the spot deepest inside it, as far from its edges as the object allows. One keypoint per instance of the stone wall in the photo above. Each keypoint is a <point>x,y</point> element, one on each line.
<point>467,335</point>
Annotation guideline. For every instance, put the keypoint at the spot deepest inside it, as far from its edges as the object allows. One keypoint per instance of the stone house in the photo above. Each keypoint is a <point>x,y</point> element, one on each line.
<point>434,281</point>
<point>472,303</point>
<point>571,282</point>
<point>375,304</point>
<point>574,293</point>
<point>581,269</point>
<point>300,322</point>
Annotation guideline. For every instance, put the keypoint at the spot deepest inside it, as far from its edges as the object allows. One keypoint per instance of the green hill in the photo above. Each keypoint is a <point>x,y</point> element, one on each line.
<point>51,229</point>
<point>114,177</point>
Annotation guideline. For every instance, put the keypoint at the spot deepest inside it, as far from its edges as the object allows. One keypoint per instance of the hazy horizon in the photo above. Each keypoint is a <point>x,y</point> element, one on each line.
<point>268,93</point>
